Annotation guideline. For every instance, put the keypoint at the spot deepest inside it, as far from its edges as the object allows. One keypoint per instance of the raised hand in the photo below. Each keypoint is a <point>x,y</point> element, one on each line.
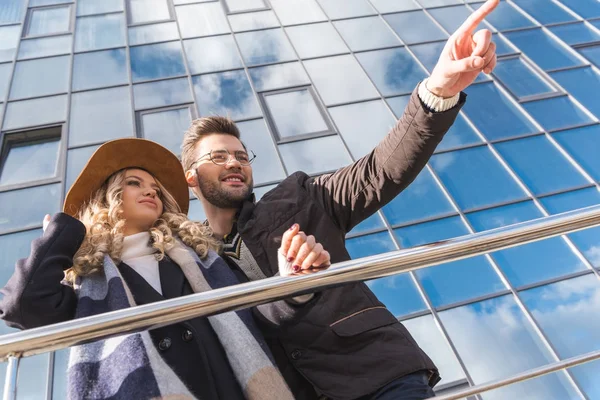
<point>301,254</point>
<point>465,55</point>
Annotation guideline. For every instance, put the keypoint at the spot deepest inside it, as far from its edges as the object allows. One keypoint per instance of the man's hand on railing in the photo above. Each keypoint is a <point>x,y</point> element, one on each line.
<point>301,254</point>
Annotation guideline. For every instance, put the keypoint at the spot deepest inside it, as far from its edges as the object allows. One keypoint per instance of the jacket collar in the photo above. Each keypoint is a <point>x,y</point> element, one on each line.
<point>172,282</point>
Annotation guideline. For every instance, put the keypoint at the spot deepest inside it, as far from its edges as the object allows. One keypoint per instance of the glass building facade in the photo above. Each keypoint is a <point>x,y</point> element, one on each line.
<point>314,85</point>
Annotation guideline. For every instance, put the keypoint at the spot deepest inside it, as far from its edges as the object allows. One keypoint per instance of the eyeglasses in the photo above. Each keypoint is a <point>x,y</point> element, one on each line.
<point>223,156</point>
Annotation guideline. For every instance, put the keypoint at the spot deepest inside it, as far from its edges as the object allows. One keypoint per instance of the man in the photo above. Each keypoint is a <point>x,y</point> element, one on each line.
<point>341,343</point>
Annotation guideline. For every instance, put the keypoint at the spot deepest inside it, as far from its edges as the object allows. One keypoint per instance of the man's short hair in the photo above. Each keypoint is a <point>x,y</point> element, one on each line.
<point>199,129</point>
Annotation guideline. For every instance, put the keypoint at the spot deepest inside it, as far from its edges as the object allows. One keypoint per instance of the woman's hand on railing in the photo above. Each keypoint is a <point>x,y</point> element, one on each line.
<point>301,254</point>
<point>46,222</point>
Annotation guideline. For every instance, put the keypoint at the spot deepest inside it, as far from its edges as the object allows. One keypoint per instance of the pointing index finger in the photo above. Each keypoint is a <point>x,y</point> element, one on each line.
<point>477,17</point>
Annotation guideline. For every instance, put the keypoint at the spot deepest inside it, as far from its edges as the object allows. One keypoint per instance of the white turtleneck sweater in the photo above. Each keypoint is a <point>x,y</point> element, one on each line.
<point>140,256</point>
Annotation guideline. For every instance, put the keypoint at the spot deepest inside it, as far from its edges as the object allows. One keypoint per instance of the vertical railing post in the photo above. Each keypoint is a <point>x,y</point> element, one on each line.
<point>10,382</point>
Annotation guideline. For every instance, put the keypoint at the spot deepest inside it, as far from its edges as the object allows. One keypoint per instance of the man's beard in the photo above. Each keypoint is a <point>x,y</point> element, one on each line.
<point>221,198</point>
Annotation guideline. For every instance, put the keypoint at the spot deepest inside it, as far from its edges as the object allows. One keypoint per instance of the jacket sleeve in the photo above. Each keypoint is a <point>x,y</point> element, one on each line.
<point>34,295</point>
<point>355,192</point>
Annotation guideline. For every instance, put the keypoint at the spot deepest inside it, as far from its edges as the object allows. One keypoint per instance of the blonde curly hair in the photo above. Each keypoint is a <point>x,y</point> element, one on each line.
<point>104,229</point>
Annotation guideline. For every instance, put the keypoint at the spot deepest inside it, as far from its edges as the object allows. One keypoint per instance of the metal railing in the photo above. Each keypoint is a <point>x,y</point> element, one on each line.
<point>154,315</point>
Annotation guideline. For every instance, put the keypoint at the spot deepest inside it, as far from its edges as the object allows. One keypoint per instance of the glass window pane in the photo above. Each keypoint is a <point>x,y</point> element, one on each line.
<point>428,53</point>
<point>295,113</point>
<point>495,340</point>
<point>40,77</point>
<point>88,7</point>
<point>461,133</point>
<point>415,27</point>
<point>48,21</point>
<point>155,61</point>
<point>162,93</point>
<point>316,40</point>
<point>12,248</point>
<point>398,292</point>
<point>211,54</point>
<point>226,93</point>
<point>557,113</point>
<point>475,178</point>
<point>32,377</point>
<point>292,12</point>
<point>437,3</point>
<point>352,85</point>
<point>369,245</point>
<point>521,79</point>
<point>99,69</point>
<point>353,32</point>
<point>576,33</point>
<point>278,76</point>
<point>586,94</point>
<point>251,21</point>
<point>387,6</point>
<point>429,232</point>
<point>267,166</point>
<point>101,32</point>
<point>420,200</point>
<point>568,311</point>
<point>76,160</point>
<point>588,240</point>
<point>545,11</point>
<point>26,208</point>
<point>505,16</point>
<point>166,127</point>
<point>372,223</point>
<point>11,12</point>
<point>542,49</point>
<point>540,165</point>
<point>47,46</point>
<point>145,34</point>
<point>30,162</point>
<point>501,119</point>
<point>196,212</point>
<point>582,144</point>
<point>398,104</point>
<point>202,19</point>
<point>89,111</point>
<point>61,364</point>
<point>533,262</point>
<point>363,125</point>
<point>592,53</point>
<point>5,71</point>
<point>35,112</point>
<point>585,8</point>
<point>346,8</point>
<point>431,340</point>
<point>451,18</point>
<point>503,46</point>
<point>9,37</point>
<point>315,155</point>
<point>142,11</point>
<point>265,47</point>
<point>394,71</point>
<point>244,5</point>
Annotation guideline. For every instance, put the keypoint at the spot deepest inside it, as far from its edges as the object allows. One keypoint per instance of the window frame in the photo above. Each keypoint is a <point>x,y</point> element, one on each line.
<point>127,10</point>
<point>270,120</point>
<point>229,12</point>
<point>42,134</point>
<point>27,23</point>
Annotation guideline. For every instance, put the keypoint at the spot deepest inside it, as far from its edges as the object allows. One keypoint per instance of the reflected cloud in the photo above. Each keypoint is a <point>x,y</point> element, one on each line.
<point>264,47</point>
<point>278,76</point>
<point>593,254</point>
<point>156,61</point>
<point>98,69</point>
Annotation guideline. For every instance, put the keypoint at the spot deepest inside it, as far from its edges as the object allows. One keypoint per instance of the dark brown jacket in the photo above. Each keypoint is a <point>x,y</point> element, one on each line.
<point>348,344</point>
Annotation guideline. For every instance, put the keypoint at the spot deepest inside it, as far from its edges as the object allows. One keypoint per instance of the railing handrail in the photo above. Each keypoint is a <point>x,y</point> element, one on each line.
<point>150,316</point>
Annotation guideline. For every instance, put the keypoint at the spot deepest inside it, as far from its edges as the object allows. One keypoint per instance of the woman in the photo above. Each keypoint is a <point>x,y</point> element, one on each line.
<point>124,240</point>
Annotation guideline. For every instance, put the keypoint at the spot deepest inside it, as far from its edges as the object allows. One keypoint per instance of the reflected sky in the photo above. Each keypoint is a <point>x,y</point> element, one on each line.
<point>592,53</point>
<point>501,119</point>
<point>142,11</point>
<point>32,376</point>
<point>540,164</point>
<point>99,69</point>
<point>546,12</point>
<point>564,113</point>
<point>577,33</point>
<point>475,178</point>
<point>196,211</point>
<point>145,34</point>
<point>227,93</point>
<point>295,113</point>
<point>428,53</point>
<point>9,37</point>
<point>581,144</point>
<point>398,292</point>
<point>398,104</point>
<point>201,19</point>
<point>373,222</point>
<point>265,47</point>
<point>346,8</point>
<point>155,61</point>
<point>505,16</point>
<point>26,207</point>
<point>76,160</point>
<point>461,133</point>
<point>363,125</point>
<point>366,33</point>
<point>43,156</point>
<point>211,54</point>
<point>48,21</point>
<point>315,155</point>
<point>394,71</point>
<point>586,94</point>
<point>495,340</point>
<point>40,77</point>
<point>430,232</point>
<point>244,5</point>
<point>415,27</point>
<point>352,85</point>
<point>520,78</point>
<point>162,93</point>
<point>297,11</point>
<point>88,7</point>
<point>451,18</point>
<point>255,20</point>
<point>11,11</point>
<point>35,112</point>
<point>421,199</point>
<point>267,166</point>
<point>167,127</point>
<point>42,47</point>
<point>105,31</point>
<point>316,40</point>
<point>88,116</point>
<point>587,8</point>
<point>385,6</point>
<point>5,71</point>
<point>278,76</point>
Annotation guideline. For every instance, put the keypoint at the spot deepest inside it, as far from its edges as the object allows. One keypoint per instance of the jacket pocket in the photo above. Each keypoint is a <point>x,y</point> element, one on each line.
<point>363,321</point>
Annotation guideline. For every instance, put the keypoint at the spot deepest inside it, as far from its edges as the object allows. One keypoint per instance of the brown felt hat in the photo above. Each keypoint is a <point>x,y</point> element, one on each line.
<point>119,154</point>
